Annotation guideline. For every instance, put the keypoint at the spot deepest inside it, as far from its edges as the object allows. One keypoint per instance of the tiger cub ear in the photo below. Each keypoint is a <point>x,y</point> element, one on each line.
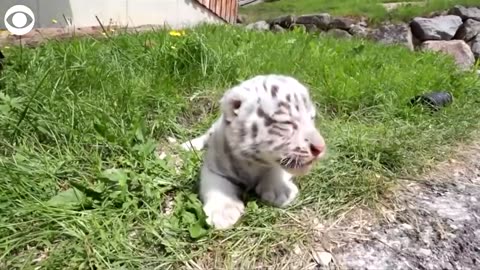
<point>232,101</point>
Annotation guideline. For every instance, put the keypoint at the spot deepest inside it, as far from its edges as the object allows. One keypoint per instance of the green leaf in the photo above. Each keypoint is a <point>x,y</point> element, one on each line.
<point>197,230</point>
<point>139,135</point>
<point>146,148</point>
<point>188,217</point>
<point>70,198</point>
<point>103,132</point>
<point>252,205</point>
<point>116,175</point>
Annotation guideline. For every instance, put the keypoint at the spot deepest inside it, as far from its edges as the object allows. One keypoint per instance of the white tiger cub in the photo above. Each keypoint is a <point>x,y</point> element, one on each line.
<point>265,135</point>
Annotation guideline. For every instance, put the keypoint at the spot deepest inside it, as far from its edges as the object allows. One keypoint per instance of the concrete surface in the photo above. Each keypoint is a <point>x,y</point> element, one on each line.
<point>81,13</point>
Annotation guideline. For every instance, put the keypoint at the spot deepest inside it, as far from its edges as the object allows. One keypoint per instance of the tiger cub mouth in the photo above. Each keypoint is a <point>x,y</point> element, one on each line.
<point>296,167</point>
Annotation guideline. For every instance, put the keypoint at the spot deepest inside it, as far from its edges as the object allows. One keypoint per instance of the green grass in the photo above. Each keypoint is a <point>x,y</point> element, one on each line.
<point>369,8</point>
<point>80,120</point>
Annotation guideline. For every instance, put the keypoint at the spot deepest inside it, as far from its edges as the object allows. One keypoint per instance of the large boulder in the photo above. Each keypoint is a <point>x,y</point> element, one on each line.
<point>283,21</point>
<point>359,30</point>
<point>312,28</point>
<point>460,51</point>
<point>469,30</point>
<point>321,21</point>
<point>393,34</point>
<point>241,19</point>
<point>277,29</point>
<point>475,46</point>
<point>437,28</point>
<point>260,25</point>
<point>339,33</point>
<point>466,13</point>
<point>341,23</point>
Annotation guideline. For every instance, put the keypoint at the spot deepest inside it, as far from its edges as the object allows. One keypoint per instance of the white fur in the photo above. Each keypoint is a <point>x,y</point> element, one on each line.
<point>196,144</point>
<point>221,204</point>
<point>277,188</point>
<point>225,157</point>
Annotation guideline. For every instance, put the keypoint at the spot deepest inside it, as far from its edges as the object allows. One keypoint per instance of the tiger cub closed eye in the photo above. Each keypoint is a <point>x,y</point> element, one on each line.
<point>265,135</point>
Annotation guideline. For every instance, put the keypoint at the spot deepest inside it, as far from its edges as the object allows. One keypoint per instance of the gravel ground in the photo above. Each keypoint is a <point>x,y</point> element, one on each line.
<point>437,226</point>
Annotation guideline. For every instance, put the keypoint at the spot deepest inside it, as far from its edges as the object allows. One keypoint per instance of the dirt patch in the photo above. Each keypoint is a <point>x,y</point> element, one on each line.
<point>436,224</point>
<point>40,35</point>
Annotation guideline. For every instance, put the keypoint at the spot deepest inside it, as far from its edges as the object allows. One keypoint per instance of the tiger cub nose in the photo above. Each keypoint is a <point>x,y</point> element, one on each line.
<point>316,150</point>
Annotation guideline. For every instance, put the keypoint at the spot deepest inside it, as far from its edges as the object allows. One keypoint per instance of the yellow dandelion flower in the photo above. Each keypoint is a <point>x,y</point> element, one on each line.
<point>174,33</point>
<point>177,33</point>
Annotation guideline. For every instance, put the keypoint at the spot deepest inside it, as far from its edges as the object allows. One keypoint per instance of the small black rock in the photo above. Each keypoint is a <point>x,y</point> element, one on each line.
<point>435,100</point>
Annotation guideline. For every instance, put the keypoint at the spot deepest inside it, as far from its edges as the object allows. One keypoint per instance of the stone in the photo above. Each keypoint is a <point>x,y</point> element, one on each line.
<point>458,49</point>
<point>283,21</point>
<point>465,13</point>
<point>321,21</point>
<point>342,23</point>
<point>339,33</point>
<point>358,30</point>
<point>407,226</point>
<point>277,28</point>
<point>469,30</point>
<point>475,47</point>
<point>362,23</point>
<point>425,252</point>
<point>241,19</point>
<point>323,258</point>
<point>312,28</point>
<point>437,28</point>
<point>260,25</point>
<point>393,34</point>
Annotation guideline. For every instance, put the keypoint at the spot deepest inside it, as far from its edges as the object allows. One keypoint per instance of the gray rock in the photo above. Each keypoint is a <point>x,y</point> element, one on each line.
<point>342,23</point>
<point>323,258</point>
<point>475,47</point>
<point>358,30</point>
<point>283,21</point>
<point>260,25</point>
<point>241,19</point>
<point>393,34</point>
<point>312,28</point>
<point>465,13</point>
<point>437,28</point>
<point>469,30</point>
<point>460,51</point>
<point>362,23</point>
<point>321,21</point>
<point>277,28</point>
<point>339,33</point>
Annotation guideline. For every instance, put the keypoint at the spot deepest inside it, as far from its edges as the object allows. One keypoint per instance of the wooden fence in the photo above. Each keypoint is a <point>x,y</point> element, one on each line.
<point>225,9</point>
